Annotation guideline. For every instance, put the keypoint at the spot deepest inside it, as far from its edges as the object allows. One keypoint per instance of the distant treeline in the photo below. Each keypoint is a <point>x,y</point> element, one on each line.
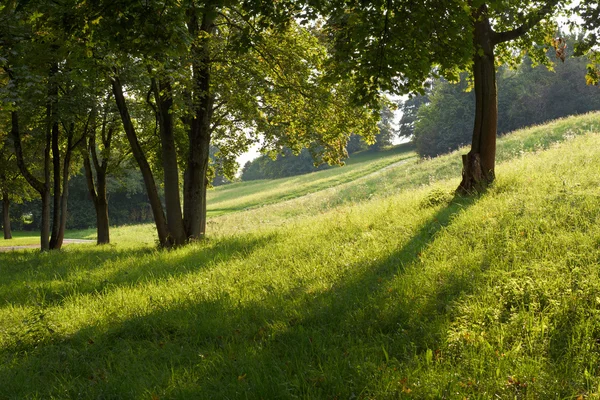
<point>442,120</point>
<point>286,163</point>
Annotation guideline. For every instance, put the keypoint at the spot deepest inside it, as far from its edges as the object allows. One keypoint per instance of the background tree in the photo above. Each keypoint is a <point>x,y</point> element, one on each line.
<point>527,96</point>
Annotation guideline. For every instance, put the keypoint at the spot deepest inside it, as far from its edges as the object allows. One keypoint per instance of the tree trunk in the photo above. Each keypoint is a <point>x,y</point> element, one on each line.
<point>102,222</point>
<point>6,216</point>
<point>195,183</point>
<point>98,197</point>
<point>479,163</point>
<point>55,242</point>
<point>199,133</point>
<point>45,229</point>
<point>52,117</point>
<point>164,101</point>
<point>41,187</point>
<point>151,190</point>
<point>65,191</point>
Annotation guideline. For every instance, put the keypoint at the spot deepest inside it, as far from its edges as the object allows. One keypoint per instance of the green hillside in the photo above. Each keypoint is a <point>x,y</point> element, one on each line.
<point>384,285</point>
<point>245,195</point>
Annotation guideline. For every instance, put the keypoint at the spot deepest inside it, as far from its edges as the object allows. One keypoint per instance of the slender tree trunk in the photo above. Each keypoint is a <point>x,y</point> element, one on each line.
<point>164,101</point>
<point>65,192</point>
<point>103,229</point>
<point>45,229</point>
<point>41,187</point>
<point>479,163</point>
<point>195,180</point>
<point>151,190</point>
<point>98,197</point>
<point>55,242</point>
<point>6,216</point>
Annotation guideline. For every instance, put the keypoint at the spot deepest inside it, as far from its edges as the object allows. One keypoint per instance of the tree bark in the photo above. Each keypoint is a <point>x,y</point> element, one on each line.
<point>479,163</point>
<point>98,197</point>
<point>52,116</point>
<point>6,216</point>
<point>42,188</point>
<point>164,101</point>
<point>55,242</point>
<point>140,157</point>
<point>65,190</point>
<point>199,131</point>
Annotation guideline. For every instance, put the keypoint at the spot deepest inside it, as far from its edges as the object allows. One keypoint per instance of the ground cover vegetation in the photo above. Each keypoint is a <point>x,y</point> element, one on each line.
<point>405,291</point>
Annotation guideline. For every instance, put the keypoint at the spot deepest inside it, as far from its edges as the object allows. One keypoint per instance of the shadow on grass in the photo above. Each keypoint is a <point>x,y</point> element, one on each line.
<point>47,278</point>
<point>289,344</point>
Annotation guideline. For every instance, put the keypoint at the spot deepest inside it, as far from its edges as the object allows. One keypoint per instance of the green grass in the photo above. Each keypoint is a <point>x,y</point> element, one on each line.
<point>246,195</point>
<point>390,287</point>
<point>29,238</point>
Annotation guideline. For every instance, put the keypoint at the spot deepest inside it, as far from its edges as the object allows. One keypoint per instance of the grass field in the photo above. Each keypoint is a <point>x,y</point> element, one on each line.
<point>386,286</point>
<point>246,195</point>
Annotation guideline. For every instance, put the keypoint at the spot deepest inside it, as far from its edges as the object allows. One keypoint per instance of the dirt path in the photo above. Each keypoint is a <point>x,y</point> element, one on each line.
<point>37,246</point>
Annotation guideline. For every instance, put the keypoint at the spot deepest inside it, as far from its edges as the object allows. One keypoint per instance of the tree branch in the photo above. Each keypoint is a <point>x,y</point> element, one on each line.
<point>532,19</point>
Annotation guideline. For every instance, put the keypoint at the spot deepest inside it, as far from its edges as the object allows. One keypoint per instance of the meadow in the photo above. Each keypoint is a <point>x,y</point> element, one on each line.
<point>374,282</point>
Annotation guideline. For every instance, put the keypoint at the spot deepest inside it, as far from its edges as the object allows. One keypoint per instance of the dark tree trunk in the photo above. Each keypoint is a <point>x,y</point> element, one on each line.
<point>479,163</point>
<point>52,115</point>
<point>41,187</point>
<point>195,183</point>
<point>199,133</point>
<point>164,101</point>
<point>55,242</point>
<point>98,197</point>
<point>102,222</point>
<point>6,216</point>
<point>151,190</point>
<point>65,191</point>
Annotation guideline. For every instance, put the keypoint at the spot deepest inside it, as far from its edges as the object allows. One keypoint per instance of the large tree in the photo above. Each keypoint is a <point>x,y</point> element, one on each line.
<point>395,45</point>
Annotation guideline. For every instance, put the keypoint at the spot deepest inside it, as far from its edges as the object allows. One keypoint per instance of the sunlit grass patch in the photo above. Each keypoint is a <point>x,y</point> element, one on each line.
<point>408,293</point>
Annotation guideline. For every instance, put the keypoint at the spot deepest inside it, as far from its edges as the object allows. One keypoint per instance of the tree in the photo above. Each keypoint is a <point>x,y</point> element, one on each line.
<point>386,133</point>
<point>410,107</point>
<point>394,45</point>
<point>99,158</point>
<point>216,73</point>
<point>13,187</point>
<point>44,98</point>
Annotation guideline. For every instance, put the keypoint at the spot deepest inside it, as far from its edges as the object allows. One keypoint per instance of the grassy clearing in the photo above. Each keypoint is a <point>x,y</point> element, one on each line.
<point>416,294</point>
<point>246,195</point>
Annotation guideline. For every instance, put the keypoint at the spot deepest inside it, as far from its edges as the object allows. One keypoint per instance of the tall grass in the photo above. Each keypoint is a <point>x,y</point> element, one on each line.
<point>408,293</point>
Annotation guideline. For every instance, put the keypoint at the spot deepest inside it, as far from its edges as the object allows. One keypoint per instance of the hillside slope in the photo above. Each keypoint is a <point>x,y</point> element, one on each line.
<point>408,293</point>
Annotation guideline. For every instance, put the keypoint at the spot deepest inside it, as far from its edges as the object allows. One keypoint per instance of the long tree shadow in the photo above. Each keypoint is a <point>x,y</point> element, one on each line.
<point>288,344</point>
<point>49,278</point>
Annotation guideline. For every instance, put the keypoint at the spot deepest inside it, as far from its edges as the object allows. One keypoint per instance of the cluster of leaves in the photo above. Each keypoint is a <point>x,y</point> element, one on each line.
<point>588,45</point>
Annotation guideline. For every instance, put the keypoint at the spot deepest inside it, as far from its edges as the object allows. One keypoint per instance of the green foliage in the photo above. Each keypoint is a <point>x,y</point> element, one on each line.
<point>588,43</point>
<point>494,296</point>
